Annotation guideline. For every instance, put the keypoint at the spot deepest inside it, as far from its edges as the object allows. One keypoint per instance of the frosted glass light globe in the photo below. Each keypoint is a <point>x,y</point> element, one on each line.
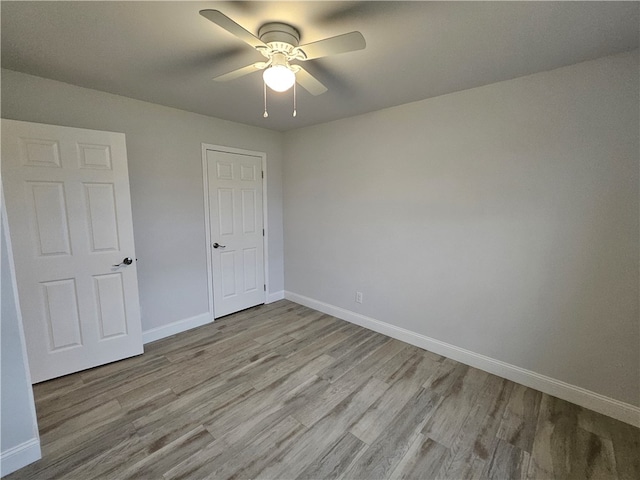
<point>279,78</point>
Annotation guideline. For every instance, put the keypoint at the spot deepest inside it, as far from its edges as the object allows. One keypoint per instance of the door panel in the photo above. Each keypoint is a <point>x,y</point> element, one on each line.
<point>101,216</point>
<point>236,222</point>
<point>61,313</point>
<point>227,276</point>
<point>249,211</point>
<point>250,269</point>
<point>49,215</point>
<point>225,211</point>
<point>94,156</point>
<point>36,152</point>
<point>112,314</point>
<point>69,213</point>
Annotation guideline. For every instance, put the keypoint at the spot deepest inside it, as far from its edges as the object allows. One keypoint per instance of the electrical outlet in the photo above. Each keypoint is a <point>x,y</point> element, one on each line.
<point>358,297</point>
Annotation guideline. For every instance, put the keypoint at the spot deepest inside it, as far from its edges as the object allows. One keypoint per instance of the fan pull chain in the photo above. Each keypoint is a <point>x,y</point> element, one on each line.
<point>265,114</point>
<point>294,100</point>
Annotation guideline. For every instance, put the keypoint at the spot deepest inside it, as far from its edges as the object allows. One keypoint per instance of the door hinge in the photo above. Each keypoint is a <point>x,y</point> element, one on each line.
<point>263,232</point>
<point>262,174</point>
<point>265,288</point>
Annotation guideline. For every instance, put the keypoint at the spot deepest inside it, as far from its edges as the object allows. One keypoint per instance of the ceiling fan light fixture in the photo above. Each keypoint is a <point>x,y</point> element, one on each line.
<point>279,78</point>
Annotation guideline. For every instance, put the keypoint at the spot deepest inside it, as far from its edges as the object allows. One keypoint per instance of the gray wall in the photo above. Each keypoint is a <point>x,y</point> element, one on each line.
<point>165,172</point>
<point>16,402</point>
<point>502,220</point>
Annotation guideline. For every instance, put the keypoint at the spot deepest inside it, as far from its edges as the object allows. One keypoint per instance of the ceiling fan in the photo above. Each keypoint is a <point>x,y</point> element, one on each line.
<point>279,43</point>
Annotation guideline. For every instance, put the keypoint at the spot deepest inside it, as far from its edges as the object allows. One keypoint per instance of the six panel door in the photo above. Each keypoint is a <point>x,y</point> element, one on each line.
<point>236,223</point>
<point>69,212</point>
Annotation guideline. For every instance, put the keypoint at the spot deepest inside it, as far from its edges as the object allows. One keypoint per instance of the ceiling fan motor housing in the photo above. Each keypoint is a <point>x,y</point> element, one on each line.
<point>279,36</point>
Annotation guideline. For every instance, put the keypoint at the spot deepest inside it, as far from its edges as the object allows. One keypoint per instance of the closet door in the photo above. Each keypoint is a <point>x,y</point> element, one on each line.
<point>236,230</point>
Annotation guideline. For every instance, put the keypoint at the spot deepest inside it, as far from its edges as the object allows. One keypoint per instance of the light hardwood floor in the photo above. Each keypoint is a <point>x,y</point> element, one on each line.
<point>282,391</point>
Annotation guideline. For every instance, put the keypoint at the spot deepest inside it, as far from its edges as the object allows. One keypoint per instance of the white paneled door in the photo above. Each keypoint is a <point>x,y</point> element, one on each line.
<point>236,230</point>
<point>69,211</point>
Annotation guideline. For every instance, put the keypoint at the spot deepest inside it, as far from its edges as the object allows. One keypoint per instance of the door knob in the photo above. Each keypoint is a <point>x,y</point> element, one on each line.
<point>217,245</point>
<point>126,261</point>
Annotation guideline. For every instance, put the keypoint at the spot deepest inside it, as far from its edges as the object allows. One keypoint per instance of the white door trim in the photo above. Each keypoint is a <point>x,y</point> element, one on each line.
<point>207,225</point>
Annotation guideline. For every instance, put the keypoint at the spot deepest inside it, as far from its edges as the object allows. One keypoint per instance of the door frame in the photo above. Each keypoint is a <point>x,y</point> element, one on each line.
<point>207,223</point>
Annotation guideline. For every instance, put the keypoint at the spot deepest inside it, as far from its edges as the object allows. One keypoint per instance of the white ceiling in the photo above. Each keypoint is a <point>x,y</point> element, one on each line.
<point>166,53</point>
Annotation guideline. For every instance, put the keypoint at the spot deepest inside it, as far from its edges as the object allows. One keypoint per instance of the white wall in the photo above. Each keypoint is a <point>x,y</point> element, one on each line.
<point>502,220</point>
<point>165,171</point>
<point>19,441</point>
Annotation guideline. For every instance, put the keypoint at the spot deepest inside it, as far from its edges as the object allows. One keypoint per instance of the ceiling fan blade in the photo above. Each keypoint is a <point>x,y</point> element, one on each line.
<point>310,83</point>
<point>232,27</point>
<point>241,72</point>
<point>347,42</point>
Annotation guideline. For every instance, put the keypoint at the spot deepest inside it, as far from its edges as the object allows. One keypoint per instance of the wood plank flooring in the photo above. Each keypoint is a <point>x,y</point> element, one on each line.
<point>282,391</point>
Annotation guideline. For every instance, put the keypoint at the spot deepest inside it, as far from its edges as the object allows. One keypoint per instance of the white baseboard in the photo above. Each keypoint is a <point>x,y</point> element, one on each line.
<point>580,396</point>
<point>164,331</point>
<point>275,296</point>
<point>19,456</point>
